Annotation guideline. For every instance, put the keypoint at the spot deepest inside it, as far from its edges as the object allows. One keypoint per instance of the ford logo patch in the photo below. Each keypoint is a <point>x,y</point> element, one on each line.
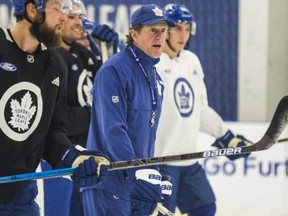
<point>8,66</point>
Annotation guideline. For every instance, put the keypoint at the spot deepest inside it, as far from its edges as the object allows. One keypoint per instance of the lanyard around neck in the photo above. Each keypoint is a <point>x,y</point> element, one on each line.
<point>153,88</point>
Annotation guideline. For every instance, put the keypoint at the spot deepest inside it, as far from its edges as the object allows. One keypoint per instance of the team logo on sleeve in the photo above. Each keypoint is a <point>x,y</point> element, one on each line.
<point>21,110</point>
<point>84,88</point>
<point>74,67</point>
<point>184,97</point>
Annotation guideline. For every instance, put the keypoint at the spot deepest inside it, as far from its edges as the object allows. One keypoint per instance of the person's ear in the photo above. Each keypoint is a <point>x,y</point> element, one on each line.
<point>133,34</point>
<point>31,10</point>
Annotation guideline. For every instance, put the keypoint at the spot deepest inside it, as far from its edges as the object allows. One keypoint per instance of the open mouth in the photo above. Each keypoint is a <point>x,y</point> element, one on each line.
<point>78,30</point>
<point>59,27</point>
<point>157,46</point>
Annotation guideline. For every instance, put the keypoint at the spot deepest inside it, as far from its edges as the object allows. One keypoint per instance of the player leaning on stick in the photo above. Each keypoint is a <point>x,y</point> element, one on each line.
<point>185,112</point>
<point>32,104</point>
<point>127,99</point>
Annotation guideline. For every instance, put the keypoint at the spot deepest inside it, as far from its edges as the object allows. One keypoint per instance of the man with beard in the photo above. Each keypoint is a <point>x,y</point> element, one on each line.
<point>82,66</point>
<point>32,104</point>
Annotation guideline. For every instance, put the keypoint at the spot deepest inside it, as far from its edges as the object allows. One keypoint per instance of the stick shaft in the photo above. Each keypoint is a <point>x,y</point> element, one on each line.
<point>37,175</point>
<point>132,163</point>
<point>104,51</point>
<point>164,211</point>
<point>283,140</point>
<point>276,127</point>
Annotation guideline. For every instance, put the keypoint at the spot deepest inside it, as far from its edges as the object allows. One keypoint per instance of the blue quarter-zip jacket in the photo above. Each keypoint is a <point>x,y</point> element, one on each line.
<point>121,113</point>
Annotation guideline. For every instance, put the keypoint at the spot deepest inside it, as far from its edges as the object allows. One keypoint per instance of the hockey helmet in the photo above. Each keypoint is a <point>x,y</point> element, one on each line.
<point>180,14</point>
<point>78,7</point>
<point>40,5</point>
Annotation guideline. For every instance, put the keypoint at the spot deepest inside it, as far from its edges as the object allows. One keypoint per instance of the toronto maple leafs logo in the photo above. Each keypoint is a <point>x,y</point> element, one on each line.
<point>87,91</point>
<point>183,97</point>
<point>84,88</point>
<point>157,11</point>
<point>22,112</point>
<point>21,108</point>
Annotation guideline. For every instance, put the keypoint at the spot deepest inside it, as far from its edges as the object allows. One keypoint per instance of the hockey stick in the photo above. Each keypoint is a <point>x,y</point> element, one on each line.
<point>283,140</point>
<point>141,162</point>
<point>271,136</point>
<point>164,211</point>
<point>276,127</point>
<point>263,144</point>
<point>104,51</point>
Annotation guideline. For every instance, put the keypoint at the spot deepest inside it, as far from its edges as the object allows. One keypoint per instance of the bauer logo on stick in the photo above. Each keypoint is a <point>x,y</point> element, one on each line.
<point>223,152</point>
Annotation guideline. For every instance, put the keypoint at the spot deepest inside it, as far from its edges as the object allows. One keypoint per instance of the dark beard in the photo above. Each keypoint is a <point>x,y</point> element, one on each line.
<point>46,35</point>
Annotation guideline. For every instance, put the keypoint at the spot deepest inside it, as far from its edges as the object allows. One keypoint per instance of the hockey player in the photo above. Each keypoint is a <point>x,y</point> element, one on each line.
<point>82,67</point>
<point>185,112</point>
<point>32,104</point>
<point>127,98</point>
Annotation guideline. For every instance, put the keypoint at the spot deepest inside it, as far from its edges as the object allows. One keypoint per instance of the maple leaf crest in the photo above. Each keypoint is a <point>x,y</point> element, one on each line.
<point>87,90</point>
<point>157,11</point>
<point>184,98</point>
<point>22,113</point>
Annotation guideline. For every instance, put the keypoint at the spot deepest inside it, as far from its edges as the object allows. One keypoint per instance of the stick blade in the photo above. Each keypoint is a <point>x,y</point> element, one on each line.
<point>265,143</point>
<point>279,120</point>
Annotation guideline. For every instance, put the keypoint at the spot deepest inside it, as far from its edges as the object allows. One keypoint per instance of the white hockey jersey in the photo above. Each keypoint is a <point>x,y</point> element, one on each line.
<point>185,109</point>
